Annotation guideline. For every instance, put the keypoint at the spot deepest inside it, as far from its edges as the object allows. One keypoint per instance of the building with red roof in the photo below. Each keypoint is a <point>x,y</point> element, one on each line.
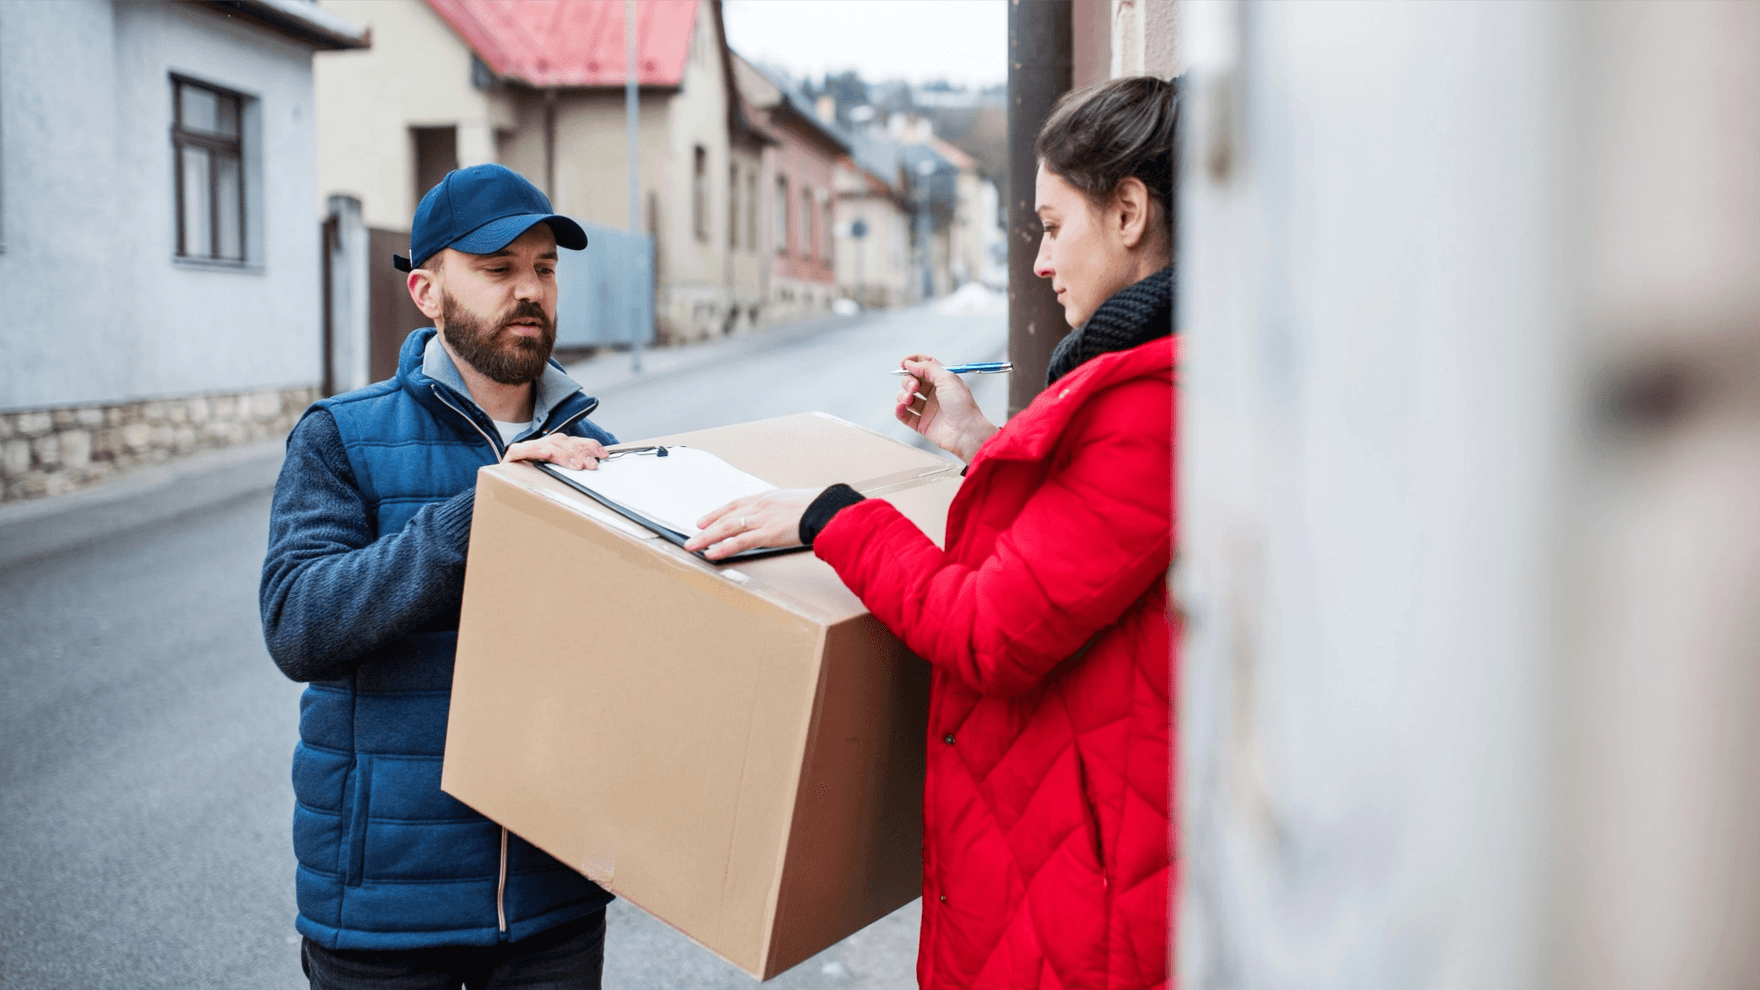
<point>538,86</point>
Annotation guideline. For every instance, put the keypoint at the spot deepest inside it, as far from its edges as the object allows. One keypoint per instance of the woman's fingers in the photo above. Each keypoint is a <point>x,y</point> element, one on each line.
<point>772,519</point>
<point>714,514</point>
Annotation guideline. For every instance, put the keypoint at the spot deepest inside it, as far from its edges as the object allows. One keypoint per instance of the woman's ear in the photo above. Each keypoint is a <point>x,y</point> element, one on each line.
<point>1133,207</point>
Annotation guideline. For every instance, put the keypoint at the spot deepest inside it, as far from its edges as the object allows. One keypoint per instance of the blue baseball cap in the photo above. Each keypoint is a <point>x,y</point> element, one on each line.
<point>480,210</point>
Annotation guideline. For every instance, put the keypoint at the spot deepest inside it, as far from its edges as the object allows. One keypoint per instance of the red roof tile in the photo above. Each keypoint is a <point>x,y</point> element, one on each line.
<point>574,42</point>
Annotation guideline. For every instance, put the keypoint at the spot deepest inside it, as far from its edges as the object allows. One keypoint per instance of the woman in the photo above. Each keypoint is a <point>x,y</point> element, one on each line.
<point>1047,813</point>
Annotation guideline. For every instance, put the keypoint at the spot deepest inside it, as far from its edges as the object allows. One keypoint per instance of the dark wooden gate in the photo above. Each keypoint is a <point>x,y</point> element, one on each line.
<point>391,314</point>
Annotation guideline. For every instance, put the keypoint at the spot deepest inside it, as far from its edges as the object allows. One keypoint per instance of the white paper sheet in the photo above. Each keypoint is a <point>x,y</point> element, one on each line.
<point>674,491</point>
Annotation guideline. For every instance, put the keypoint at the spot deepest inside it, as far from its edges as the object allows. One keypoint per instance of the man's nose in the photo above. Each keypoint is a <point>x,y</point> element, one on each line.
<point>528,285</point>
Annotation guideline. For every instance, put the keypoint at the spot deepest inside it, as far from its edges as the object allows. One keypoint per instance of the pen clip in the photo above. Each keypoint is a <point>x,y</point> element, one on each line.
<point>656,450</point>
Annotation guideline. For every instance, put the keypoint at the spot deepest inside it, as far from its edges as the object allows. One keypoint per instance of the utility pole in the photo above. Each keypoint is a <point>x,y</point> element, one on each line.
<point>1038,73</point>
<point>632,125</point>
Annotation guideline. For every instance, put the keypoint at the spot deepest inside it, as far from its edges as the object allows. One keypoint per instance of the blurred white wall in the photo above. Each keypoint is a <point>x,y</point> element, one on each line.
<point>1470,450</point>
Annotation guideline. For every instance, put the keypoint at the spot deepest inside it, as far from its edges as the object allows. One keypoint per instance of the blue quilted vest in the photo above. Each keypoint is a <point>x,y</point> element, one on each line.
<point>386,860</point>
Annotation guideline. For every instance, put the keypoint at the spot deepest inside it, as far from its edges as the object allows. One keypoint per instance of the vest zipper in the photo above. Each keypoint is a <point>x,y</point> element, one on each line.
<point>501,880</point>
<point>570,421</point>
<point>499,453</point>
<point>501,886</point>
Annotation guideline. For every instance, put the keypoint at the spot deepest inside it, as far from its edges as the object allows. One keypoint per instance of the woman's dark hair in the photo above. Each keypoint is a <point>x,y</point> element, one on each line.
<point>1098,136</point>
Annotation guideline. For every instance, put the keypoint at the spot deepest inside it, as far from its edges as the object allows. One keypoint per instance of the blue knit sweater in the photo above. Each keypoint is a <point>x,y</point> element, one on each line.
<point>360,597</point>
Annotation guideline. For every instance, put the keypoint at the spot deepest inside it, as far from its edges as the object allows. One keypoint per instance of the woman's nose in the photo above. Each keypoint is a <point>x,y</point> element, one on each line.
<point>1042,262</point>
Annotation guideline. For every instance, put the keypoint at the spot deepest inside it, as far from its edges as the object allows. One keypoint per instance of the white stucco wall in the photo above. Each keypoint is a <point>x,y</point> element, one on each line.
<point>96,309</point>
<point>417,74</point>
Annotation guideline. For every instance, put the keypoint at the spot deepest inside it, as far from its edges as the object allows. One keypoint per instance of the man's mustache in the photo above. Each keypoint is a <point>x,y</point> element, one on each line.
<point>526,310</point>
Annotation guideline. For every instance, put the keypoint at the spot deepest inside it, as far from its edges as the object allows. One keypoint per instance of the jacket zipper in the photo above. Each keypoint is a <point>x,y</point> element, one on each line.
<point>501,886</point>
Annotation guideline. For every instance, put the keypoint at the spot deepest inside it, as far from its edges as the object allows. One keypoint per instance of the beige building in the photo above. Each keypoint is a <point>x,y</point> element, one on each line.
<point>873,268</point>
<point>540,88</point>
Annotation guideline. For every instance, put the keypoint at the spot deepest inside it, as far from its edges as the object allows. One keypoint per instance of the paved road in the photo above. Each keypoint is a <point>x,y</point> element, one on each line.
<point>145,734</point>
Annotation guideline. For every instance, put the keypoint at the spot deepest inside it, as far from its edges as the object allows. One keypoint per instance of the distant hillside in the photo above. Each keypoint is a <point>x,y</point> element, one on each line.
<point>972,120</point>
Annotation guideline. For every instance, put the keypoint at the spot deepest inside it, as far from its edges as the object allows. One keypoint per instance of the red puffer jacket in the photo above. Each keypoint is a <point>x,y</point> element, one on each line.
<point>1047,845</point>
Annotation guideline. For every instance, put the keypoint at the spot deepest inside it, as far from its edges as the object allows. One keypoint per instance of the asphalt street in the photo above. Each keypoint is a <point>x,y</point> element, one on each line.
<point>145,735</point>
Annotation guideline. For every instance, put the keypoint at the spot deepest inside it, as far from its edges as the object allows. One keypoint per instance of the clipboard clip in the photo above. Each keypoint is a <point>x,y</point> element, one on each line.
<point>657,451</point>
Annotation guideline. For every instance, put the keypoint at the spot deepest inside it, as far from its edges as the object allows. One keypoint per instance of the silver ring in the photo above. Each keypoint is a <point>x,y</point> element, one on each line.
<point>743,525</point>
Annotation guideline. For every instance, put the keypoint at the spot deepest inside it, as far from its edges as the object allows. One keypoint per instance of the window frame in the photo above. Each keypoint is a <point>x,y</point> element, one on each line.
<point>700,194</point>
<point>752,210</point>
<point>783,228</point>
<point>213,144</point>
<point>732,205</point>
<point>828,224</point>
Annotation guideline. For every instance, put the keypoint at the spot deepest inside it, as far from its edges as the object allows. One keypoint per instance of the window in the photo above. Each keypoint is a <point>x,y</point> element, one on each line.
<point>782,214</point>
<point>700,195</point>
<point>752,210</point>
<point>207,140</point>
<point>806,248</point>
<point>436,154</point>
<point>828,228</point>
<point>733,206</point>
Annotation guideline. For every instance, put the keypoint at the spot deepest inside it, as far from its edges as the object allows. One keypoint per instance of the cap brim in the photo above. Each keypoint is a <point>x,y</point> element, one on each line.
<point>497,234</point>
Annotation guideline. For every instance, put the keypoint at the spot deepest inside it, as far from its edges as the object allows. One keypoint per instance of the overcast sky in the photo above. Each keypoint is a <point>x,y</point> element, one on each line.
<point>962,41</point>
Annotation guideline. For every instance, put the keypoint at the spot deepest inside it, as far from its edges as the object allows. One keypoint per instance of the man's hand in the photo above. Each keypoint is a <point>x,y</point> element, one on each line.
<point>934,402</point>
<point>772,519</point>
<point>570,452</point>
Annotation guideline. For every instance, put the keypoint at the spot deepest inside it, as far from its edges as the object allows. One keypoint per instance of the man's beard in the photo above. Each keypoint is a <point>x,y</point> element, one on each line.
<point>498,352</point>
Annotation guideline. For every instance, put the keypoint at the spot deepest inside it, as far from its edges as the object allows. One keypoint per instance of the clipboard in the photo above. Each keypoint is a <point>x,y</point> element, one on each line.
<point>658,528</point>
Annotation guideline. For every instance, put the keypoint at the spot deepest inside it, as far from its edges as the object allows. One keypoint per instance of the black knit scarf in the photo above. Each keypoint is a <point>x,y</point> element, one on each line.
<point>1133,315</point>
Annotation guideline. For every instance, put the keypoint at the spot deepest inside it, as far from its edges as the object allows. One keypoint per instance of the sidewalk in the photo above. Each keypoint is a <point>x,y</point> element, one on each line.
<point>156,495</point>
<point>147,497</point>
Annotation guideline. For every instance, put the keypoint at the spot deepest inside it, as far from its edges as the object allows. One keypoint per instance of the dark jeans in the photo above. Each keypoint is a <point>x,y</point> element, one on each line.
<point>570,956</point>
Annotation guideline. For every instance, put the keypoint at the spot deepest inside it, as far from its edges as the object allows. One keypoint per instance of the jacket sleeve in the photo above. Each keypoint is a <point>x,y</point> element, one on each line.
<point>1084,546</point>
<point>331,592</point>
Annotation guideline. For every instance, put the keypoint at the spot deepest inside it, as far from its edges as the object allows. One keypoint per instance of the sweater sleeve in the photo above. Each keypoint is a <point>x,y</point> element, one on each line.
<point>331,592</point>
<point>1084,546</point>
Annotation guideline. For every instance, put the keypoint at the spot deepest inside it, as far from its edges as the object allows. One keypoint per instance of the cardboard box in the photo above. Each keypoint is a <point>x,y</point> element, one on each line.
<point>736,749</point>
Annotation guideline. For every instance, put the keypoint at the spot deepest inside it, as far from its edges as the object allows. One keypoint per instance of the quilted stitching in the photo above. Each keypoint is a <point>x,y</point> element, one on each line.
<point>1047,857</point>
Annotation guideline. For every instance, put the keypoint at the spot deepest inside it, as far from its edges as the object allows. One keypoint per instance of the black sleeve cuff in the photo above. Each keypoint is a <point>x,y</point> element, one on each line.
<point>830,502</point>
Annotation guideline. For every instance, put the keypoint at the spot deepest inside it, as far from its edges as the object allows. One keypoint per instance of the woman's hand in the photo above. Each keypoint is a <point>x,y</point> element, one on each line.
<point>570,452</point>
<point>934,402</point>
<point>772,519</point>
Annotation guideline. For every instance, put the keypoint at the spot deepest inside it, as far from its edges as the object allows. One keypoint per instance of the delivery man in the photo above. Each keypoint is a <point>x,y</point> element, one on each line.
<point>399,884</point>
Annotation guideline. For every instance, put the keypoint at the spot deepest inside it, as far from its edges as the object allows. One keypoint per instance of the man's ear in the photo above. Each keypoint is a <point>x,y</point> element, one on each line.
<point>1131,207</point>
<point>424,290</point>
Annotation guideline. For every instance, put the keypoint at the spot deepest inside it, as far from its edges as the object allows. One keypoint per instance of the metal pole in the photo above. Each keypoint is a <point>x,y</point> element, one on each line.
<point>1038,73</point>
<point>631,113</point>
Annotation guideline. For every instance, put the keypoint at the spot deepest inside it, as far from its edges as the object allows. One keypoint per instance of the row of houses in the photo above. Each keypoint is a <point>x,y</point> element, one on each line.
<point>169,290</point>
<point>760,208</point>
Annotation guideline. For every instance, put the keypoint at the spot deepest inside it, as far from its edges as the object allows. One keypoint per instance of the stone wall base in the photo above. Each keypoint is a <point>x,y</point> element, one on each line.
<point>53,451</point>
